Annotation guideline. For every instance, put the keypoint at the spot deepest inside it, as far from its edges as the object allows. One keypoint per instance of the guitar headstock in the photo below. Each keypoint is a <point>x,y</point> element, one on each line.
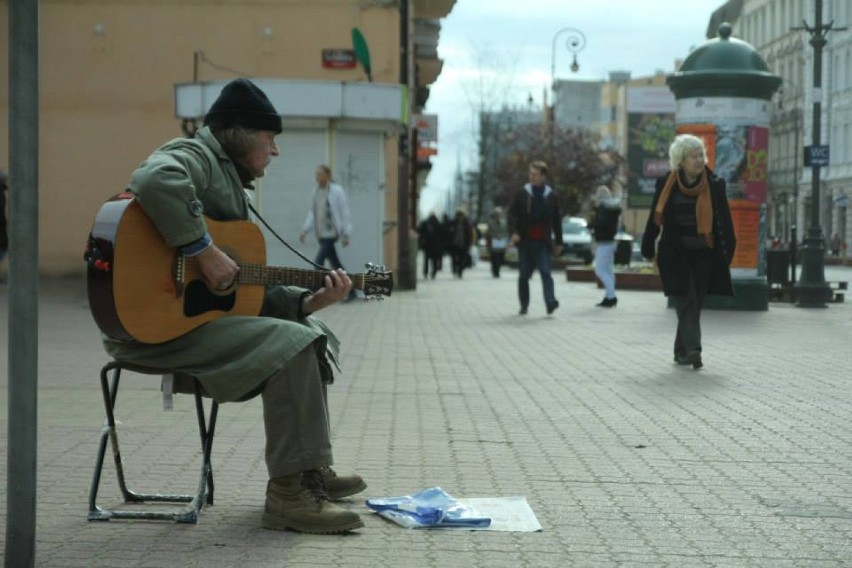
<point>378,282</point>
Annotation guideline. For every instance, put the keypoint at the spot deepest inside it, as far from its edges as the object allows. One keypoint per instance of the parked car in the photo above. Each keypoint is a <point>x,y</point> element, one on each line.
<point>577,238</point>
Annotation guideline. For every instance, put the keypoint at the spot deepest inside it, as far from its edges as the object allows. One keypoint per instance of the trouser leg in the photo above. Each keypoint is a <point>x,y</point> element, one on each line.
<point>295,417</point>
<point>543,257</point>
<point>689,305</point>
<point>526,264</point>
<point>497,258</point>
<point>332,255</point>
<point>458,262</point>
<point>322,253</point>
<point>604,270</point>
<point>688,335</point>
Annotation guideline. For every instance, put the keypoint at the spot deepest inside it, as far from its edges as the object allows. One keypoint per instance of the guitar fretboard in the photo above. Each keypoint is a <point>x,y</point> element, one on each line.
<point>261,274</point>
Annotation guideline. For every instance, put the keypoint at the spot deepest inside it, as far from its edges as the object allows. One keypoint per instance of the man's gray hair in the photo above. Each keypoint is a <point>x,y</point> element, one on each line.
<point>237,141</point>
<point>684,144</point>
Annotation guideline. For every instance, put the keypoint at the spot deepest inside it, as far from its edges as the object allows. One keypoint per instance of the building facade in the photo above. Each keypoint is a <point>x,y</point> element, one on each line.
<point>768,26</point>
<point>111,73</point>
<point>577,103</point>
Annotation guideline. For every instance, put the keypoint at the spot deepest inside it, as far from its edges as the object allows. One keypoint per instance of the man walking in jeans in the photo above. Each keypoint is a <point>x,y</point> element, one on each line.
<point>535,223</point>
<point>329,218</point>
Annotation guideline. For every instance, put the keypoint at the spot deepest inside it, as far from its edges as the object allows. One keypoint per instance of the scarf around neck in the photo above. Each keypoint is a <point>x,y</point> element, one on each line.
<point>703,205</point>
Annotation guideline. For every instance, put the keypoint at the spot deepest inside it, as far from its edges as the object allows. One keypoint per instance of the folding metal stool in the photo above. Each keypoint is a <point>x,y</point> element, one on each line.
<point>206,427</point>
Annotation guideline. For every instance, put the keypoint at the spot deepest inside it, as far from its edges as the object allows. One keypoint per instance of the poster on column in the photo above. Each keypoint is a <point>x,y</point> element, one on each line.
<point>745,215</point>
<point>757,164</point>
<point>736,153</point>
<point>650,127</point>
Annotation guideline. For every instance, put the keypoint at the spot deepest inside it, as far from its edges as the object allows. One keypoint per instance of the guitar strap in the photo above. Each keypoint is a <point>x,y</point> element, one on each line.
<point>283,242</point>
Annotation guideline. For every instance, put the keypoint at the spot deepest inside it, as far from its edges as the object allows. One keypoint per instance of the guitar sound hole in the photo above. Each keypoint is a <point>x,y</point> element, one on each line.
<point>198,300</point>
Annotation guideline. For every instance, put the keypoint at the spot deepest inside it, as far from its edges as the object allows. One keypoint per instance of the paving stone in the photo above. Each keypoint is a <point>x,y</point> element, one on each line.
<point>626,459</point>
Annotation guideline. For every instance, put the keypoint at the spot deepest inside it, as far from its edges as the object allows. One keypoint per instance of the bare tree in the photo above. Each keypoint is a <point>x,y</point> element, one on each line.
<point>576,165</point>
<point>488,93</point>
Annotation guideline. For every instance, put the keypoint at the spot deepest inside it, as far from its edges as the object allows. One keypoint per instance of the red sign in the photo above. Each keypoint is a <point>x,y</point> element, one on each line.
<point>338,59</point>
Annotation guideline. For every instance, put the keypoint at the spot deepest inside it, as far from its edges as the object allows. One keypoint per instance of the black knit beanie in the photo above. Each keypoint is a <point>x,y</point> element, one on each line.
<point>242,103</point>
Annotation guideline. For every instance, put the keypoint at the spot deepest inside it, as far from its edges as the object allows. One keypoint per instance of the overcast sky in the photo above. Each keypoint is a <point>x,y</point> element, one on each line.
<point>506,47</point>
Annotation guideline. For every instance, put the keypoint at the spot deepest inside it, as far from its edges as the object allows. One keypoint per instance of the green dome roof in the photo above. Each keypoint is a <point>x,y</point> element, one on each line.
<point>724,67</point>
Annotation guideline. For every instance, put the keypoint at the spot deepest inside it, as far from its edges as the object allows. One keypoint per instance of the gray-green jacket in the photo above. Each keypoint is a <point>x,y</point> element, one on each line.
<point>180,183</point>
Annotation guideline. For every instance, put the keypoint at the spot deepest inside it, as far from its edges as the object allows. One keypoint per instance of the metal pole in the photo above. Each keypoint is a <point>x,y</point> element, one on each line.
<point>794,243</point>
<point>23,284</point>
<point>407,274</point>
<point>812,289</point>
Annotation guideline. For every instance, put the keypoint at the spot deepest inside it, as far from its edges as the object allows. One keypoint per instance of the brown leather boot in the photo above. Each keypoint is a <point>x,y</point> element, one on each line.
<point>340,486</point>
<point>298,502</point>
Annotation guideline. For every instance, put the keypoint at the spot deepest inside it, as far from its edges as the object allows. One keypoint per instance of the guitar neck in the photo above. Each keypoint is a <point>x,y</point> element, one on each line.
<point>261,275</point>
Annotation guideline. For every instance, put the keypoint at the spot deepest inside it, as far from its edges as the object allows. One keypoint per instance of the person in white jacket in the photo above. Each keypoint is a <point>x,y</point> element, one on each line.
<point>328,217</point>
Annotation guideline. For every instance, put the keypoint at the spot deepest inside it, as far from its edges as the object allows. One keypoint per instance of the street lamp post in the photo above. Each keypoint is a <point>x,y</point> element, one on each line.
<point>794,243</point>
<point>575,42</point>
<point>812,289</point>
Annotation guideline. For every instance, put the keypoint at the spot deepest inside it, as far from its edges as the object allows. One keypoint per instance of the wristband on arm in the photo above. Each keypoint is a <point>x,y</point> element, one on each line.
<point>197,247</point>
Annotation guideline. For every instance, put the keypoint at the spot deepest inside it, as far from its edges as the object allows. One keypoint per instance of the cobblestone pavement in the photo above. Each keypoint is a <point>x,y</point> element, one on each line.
<point>626,459</point>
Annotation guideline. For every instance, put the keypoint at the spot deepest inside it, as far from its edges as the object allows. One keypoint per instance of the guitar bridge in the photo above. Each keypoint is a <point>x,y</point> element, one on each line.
<point>179,274</point>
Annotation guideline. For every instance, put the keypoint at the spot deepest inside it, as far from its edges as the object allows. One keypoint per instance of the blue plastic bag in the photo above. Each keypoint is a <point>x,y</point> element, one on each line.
<point>431,507</point>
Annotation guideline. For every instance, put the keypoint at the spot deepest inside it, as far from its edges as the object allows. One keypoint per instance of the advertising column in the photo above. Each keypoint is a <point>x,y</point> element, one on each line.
<point>722,94</point>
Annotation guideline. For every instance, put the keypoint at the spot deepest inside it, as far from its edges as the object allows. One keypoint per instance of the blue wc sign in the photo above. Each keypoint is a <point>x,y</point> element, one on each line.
<point>816,155</point>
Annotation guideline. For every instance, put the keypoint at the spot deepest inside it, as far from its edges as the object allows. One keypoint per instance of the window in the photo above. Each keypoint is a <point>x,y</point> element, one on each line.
<point>848,71</point>
<point>835,79</point>
<point>772,22</point>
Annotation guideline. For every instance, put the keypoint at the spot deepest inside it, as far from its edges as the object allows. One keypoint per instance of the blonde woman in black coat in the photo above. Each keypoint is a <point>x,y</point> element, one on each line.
<point>691,218</point>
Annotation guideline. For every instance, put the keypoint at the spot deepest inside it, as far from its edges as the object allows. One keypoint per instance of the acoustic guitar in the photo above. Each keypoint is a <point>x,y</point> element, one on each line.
<point>141,289</point>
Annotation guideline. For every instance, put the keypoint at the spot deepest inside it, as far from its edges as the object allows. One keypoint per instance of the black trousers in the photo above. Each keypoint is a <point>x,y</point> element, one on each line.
<point>431,259</point>
<point>498,257</point>
<point>689,305</point>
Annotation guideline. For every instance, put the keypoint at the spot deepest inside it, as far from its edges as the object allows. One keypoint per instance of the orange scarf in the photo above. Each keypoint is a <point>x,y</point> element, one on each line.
<point>703,205</point>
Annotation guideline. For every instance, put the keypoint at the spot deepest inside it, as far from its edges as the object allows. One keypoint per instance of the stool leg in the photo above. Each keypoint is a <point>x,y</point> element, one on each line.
<point>206,429</point>
<point>129,496</point>
<point>109,434</point>
<point>95,512</point>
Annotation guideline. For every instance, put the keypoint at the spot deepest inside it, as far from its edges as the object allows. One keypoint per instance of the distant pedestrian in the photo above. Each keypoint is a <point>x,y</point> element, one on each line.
<point>835,244</point>
<point>4,235</point>
<point>328,218</point>
<point>461,235</point>
<point>447,233</point>
<point>690,208</point>
<point>430,238</point>
<point>497,240</point>
<point>605,226</point>
<point>535,224</point>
